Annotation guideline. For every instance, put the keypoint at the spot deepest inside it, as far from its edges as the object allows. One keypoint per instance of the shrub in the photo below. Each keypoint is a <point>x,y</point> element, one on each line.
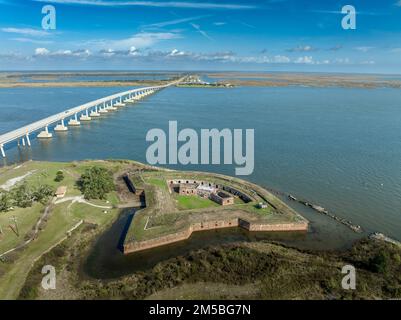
<point>42,193</point>
<point>379,263</point>
<point>59,176</point>
<point>5,201</point>
<point>22,196</point>
<point>96,182</point>
<point>397,258</point>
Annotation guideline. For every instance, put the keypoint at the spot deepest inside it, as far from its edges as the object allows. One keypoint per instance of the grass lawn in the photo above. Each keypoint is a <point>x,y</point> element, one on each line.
<point>157,182</point>
<point>253,207</point>
<point>194,202</point>
<point>62,218</point>
<point>26,219</point>
<point>238,200</point>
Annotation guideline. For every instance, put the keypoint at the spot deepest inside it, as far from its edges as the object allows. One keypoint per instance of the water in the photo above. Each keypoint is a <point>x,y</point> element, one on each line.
<point>337,147</point>
<point>22,106</point>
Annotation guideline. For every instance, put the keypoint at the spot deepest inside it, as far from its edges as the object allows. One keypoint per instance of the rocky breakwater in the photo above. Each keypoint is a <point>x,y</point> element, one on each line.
<point>319,209</point>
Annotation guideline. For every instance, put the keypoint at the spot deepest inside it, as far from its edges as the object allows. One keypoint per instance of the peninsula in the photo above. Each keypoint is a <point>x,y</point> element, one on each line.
<point>53,213</point>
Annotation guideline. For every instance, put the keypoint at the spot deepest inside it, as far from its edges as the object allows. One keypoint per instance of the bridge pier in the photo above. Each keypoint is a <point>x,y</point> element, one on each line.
<point>45,134</point>
<point>128,99</point>
<point>61,127</point>
<point>120,104</point>
<point>85,117</point>
<point>28,140</point>
<point>2,151</point>
<point>74,122</point>
<point>103,110</point>
<point>110,107</point>
<point>94,113</point>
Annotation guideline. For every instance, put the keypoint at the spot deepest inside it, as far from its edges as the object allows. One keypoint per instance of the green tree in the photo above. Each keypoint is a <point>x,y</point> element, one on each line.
<point>96,182</point>
<point>42,193</point>
<point>5,201</point>
<point>59,176</point>
<point>22,196</point>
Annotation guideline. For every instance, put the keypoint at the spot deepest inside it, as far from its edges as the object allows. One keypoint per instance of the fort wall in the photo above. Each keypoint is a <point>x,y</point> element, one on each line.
<point>135,246</point>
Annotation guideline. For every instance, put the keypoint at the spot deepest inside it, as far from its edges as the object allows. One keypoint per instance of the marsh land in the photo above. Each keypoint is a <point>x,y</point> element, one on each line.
<point>243,79</point>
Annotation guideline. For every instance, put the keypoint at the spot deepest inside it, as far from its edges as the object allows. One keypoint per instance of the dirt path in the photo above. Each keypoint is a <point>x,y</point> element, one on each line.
<point>12,182</point>
<point>81,199</point>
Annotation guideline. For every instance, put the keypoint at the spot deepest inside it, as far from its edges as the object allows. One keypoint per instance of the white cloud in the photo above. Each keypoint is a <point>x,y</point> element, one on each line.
<point>163,4</point>
<point>176,52</point>
<point>281,59</point>
<point>82,53</point>
<point>133,51</point>
<point>41,51</point>
<point>26,31</point>
<point>107,53</point>
<point>305,60</point>
<point>219,23</point>
<point>149,56</point>
<point>70,53</point>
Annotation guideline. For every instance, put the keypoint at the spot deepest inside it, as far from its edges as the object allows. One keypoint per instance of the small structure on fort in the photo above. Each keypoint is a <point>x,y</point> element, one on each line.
<point>222,198</point>
<point>60,192</point>
<point>262,205</point>
<point>203,189</point>
<point>188,189</point>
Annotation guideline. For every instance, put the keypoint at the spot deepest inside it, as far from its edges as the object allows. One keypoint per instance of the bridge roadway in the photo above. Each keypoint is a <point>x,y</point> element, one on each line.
<point>102,103</point>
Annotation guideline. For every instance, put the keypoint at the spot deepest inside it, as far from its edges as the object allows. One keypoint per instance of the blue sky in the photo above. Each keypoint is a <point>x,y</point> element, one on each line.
<point>278,35</point>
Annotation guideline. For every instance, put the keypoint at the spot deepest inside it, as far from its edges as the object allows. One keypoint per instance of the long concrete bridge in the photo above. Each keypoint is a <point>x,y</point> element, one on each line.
<point>76,115</point>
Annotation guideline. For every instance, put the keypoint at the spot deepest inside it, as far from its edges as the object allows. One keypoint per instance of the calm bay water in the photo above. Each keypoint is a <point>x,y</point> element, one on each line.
<point>336,147</point>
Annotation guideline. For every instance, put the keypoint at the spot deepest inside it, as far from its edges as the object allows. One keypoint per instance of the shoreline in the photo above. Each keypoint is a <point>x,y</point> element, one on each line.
<point>70,84</point>
<point>220,79</point>
<point>233,83</point>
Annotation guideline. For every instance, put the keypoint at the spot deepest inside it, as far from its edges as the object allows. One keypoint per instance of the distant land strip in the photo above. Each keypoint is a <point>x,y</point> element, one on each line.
<point>245,79</point>
<point>55,84</point>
